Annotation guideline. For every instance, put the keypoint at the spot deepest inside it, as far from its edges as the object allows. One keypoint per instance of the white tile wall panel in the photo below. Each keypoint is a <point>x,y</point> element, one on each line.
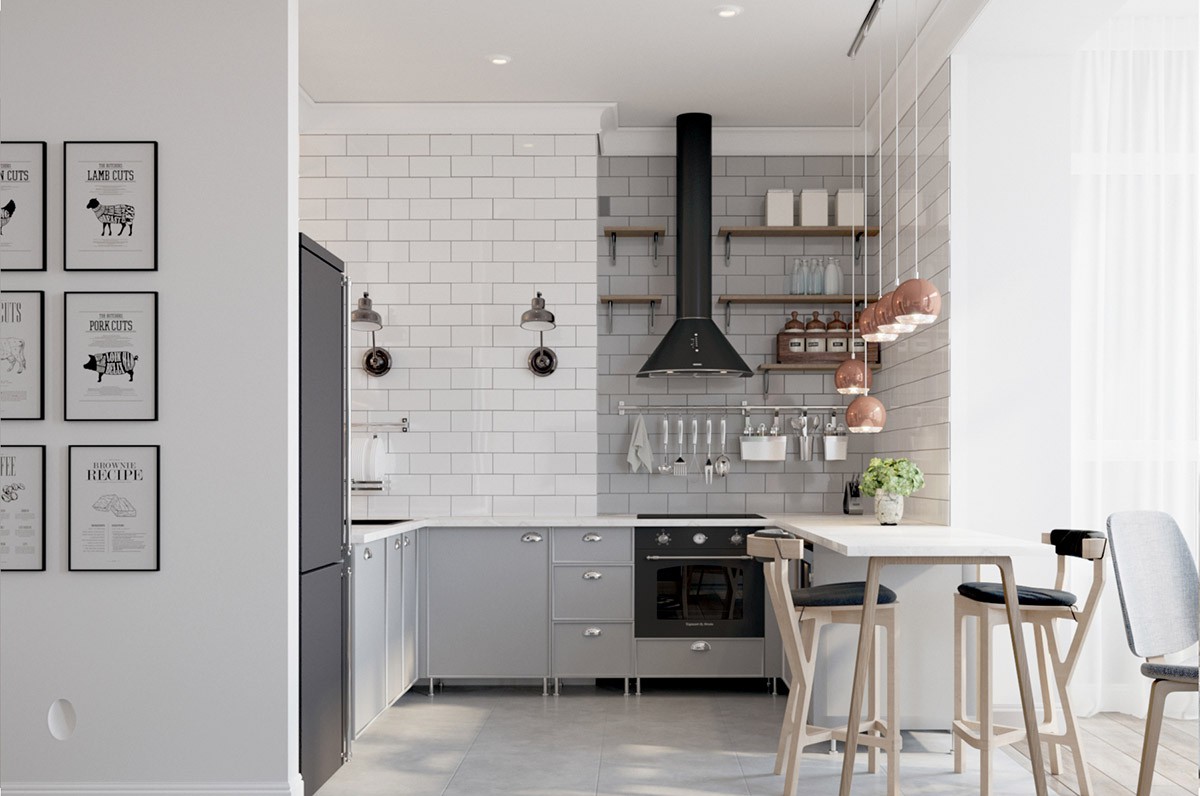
<point>404,144</point>
<point>450,145</point>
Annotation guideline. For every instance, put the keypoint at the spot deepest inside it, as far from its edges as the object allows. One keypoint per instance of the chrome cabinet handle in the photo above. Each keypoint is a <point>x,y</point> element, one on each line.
<point>367,554</point>
<point>592,574</point>
<point>396,544</point>
<point>592,537</point>
<point>701,646</point>
<point>406,541</point>
<point>591,632</point>
<point>531,537</point>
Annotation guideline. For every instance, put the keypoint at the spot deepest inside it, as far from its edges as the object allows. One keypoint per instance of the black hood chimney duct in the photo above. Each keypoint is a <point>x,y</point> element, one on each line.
<point>694,346</point>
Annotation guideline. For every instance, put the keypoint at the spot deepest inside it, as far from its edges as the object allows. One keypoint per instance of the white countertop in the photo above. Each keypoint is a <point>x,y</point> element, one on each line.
<point>849,535</point>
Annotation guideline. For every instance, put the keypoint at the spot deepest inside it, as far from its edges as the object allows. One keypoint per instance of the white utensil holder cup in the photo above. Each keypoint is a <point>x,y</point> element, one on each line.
<point>764,449</point>
<point>835,448</point>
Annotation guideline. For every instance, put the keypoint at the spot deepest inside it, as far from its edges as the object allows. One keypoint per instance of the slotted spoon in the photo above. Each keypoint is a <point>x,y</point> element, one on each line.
<point>721,466</point>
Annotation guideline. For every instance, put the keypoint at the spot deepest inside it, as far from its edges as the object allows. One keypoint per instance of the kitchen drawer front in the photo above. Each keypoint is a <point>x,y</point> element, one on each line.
<point>593,649</point>
<point>699,657</point>
<point>593,592</point>
<point>582,544</point>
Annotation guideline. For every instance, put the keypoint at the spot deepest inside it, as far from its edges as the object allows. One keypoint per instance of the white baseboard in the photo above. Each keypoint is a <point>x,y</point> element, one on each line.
<point>147,788</point>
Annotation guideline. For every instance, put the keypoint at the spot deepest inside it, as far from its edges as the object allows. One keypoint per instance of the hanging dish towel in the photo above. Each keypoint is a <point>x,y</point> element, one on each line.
<point>639,454</point>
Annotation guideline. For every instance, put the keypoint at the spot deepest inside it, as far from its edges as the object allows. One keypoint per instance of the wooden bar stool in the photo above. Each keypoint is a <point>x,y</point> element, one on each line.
<point>1040,608</point>
<point>801,614</point>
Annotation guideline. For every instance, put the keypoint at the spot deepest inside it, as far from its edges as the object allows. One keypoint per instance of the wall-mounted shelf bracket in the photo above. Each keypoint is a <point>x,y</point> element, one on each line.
<point>612,233</point>
<point>611,300</point>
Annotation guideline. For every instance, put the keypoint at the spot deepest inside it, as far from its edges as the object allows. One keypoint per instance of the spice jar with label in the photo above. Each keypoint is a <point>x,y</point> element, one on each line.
<point>857,344</point>
<point>814,335</point>
<point>789,345</point>
<point>837,335</point>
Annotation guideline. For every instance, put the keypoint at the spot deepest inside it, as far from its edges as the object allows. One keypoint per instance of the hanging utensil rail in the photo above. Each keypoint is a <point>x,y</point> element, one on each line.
<point>743,409</point>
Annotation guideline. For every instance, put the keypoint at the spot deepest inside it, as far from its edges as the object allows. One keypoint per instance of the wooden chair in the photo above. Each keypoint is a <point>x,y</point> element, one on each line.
<point>801,614</point>
<point>1041,608</point>
<point>1160,598</point>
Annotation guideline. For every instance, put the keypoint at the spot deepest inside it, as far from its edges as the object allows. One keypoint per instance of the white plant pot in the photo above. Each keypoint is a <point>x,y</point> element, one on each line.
<point>889,508</point>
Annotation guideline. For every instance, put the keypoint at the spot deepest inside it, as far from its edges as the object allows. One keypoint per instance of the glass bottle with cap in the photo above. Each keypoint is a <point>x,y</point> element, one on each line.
<point>814,335</point>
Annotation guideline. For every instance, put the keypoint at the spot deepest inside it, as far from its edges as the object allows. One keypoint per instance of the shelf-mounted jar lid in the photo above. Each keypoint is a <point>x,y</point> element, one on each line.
<point>795,324</point>
<point>816,324</point>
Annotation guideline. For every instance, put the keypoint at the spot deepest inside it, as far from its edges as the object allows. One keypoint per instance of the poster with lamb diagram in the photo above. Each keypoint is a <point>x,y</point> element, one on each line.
<point>110,205</point>
<point>22,357</point>
<point>23,507</point>
<point>110,356</point>
<point>112,507</point>
<point>23,206</point>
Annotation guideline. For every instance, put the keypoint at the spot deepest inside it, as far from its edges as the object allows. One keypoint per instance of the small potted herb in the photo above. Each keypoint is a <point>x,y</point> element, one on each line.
<point>889,481</point>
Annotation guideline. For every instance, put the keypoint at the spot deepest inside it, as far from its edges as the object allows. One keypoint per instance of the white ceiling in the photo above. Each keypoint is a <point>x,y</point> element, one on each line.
<point>779,63</point>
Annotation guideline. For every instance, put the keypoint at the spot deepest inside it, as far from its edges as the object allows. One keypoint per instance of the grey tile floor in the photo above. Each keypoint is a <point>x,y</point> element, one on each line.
<point>592,741</point>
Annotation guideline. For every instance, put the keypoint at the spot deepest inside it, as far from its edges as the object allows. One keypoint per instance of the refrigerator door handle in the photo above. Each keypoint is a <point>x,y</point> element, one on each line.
<point>347,592</point>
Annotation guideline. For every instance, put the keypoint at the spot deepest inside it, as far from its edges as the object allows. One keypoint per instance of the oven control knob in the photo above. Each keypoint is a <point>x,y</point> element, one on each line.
<point>663,538</point>
<point>737,538</point>
<point>699,538</point>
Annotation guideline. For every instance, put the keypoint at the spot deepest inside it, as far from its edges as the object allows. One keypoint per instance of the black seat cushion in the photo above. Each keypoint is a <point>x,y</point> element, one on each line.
<point>838,594</point>
<point>1026,595</point>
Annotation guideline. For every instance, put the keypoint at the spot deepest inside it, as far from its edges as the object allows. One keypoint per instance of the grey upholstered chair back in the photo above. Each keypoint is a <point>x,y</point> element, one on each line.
<point>1157,581</point>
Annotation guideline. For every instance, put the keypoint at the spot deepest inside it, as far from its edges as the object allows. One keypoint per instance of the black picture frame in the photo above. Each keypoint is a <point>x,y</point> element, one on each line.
<point>108,367</point>
<point>73,203</point>
<point>73,521</point>
<point>18,361</point>
<point>41,239</point>
<point>42,489</point>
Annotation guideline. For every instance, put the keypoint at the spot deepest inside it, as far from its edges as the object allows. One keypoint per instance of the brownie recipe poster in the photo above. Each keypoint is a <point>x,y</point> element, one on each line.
<point>114,507</point>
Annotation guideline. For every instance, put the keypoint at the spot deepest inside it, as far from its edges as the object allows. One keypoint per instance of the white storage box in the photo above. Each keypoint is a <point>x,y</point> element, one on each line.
<point>814,208</point>
<point>780,207</point>
<point>764,449</point>
<point>850,208</point>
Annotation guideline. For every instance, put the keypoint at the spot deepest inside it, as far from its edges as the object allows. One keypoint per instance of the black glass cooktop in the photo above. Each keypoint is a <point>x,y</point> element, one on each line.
<point>700,517</point>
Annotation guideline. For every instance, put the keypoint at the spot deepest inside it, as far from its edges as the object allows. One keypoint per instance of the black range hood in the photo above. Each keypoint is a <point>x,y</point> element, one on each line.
<point>694,346</point>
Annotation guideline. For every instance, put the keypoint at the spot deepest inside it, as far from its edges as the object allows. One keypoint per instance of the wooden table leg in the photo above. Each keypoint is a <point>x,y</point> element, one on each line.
<point>866,637</point>
<point>1013,607</point>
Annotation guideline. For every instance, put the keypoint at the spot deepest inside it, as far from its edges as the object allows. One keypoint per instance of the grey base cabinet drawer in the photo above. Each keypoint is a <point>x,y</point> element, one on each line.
<point>593,649</point>
<point>593,592</point>
<point>593,544</point>
<point>699,657</point>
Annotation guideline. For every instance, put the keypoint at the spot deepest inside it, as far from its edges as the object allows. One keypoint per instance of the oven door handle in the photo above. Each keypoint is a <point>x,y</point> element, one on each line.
<point>699,558</point>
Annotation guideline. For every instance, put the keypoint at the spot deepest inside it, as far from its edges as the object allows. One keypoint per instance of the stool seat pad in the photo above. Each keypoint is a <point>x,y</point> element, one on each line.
<point>1026,595</point>
<point>1172,671</point>
<point>838,594</point>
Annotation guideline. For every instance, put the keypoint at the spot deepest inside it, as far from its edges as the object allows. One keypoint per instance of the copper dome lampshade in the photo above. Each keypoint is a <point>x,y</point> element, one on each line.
<point>866,415</point>
<point>918,302</point>
<point>868,326</point>
<point>853,377</point>
<point>885,316</point>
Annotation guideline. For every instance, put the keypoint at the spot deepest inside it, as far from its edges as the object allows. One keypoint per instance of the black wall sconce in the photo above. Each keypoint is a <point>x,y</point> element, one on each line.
<point>377,361</point>
<point>542,360</point>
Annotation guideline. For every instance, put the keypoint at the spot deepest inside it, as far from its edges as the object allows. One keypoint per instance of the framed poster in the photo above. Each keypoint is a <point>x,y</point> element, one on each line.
<point>110,205</point>
<point>22,355</point>
<point>110,355</point>
<point>23,507</point>
<point>112,508</point>
<point>22,206</point>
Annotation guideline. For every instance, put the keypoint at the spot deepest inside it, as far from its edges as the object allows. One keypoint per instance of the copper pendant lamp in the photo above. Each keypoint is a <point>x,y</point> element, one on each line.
<point>868,323</point>
<point>865,415</point>
<point>853,376</point>
<point>918,301</point>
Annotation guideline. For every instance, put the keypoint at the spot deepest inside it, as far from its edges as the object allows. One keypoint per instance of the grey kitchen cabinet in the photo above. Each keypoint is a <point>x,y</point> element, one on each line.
<point>409,607</point>
<point>487,596</point>
<point>401,613</point>
<point>369,577</point>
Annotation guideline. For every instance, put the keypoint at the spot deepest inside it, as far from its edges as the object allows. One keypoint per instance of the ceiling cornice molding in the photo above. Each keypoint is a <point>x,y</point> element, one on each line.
<point>736,141</point>
<point>512,118</point>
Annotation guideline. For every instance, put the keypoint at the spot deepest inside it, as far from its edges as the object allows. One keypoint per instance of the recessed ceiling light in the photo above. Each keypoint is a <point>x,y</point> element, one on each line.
<point>727,12</point>
<point>499,60</point>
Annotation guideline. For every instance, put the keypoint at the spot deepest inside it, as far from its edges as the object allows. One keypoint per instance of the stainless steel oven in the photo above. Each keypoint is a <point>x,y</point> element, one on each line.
<point>697,580</point>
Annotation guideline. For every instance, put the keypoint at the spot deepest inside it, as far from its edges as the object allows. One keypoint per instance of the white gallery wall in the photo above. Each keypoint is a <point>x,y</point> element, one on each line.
<point>183,680</point>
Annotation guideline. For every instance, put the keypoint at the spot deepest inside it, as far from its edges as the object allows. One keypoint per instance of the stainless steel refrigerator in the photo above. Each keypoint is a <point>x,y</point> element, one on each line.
<point>324,515</point>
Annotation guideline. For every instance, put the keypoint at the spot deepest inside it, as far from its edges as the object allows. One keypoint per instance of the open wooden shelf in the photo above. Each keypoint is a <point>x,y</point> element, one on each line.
<point>787,298</point>
<point>630,299</point>
<point>612,233</point>
<point>796,232</point>
<point>767,368</point>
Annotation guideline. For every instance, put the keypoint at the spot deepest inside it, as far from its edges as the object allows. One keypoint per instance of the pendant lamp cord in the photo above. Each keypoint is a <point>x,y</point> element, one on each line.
<point>896,134</point>
<point>879,177</point>
<point>854,240</point>
<point>916,145</point>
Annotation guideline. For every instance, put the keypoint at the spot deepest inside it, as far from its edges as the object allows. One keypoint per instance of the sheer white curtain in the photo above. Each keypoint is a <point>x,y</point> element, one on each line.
<point>1134,302</point>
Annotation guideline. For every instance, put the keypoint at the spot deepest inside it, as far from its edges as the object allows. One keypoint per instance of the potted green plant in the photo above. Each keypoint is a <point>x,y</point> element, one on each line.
<point>889,481</point>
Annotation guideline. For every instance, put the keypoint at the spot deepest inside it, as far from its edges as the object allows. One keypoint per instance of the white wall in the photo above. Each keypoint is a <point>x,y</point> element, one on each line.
<point>452,235</point>
<point>184,678</point>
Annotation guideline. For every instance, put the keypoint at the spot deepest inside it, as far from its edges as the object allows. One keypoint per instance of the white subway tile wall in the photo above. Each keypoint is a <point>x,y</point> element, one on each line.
<point>452,235</point>
<point>641,192</point>
<point>914,383</point>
